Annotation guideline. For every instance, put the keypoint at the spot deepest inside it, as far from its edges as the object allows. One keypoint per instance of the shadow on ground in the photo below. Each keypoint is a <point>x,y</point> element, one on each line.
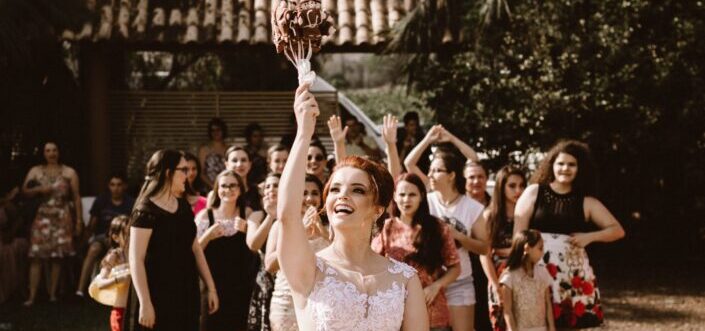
<point>653,296</point>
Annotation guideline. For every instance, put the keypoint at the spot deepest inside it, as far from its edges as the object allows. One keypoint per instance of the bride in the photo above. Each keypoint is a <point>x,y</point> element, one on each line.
<point>346,286</point>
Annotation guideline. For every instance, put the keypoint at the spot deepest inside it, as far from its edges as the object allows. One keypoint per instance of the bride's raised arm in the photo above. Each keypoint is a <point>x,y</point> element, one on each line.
<point>296,258</point>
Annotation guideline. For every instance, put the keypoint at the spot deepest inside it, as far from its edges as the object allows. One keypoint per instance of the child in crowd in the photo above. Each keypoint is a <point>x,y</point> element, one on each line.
<point>526,286</point>
<point>112,284</point>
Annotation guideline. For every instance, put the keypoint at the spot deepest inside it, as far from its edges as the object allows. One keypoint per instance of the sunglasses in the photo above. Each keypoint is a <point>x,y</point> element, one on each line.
<point>317,157</point>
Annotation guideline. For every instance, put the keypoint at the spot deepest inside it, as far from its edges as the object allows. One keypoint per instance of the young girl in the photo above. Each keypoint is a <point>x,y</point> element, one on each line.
<point>114,270</point>
<point>526,286</point>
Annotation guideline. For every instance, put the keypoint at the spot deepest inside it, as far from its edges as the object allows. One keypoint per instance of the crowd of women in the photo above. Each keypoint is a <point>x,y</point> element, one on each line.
<point>282,241</point>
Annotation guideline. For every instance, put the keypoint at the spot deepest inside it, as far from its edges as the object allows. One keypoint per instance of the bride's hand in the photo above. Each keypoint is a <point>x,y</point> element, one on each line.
<point>306,110</point>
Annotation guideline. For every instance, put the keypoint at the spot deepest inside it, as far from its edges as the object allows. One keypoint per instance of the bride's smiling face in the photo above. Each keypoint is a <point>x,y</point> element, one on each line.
<point>351,199</point>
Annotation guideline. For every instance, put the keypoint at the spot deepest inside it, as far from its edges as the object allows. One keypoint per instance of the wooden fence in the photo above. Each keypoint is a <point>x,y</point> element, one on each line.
<point>144,121</point>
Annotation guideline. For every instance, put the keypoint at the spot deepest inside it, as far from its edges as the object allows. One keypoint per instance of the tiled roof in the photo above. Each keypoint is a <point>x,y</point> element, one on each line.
<point>357,22</point>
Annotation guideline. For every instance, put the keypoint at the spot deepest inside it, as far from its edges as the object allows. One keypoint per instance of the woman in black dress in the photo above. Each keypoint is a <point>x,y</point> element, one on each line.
<point>561,204</point>
<point>222,230</point>
<point>164,255</point>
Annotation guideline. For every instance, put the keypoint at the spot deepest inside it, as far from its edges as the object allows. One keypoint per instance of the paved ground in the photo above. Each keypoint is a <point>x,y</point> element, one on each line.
<point>639,297</point>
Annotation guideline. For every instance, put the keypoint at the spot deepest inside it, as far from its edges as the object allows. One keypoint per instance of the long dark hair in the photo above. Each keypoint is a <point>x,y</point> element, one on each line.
<point>198,184</point>
<point>429,242</point>
<point>160,169</point>
<point>453,164</point>
<point>319,145</point>
<point>216,121</point>
<point>214,199</point>
<point>250,181</point>
<point>313,179</point>
<point>497,218</point>
<point>521,239</point>
<point>43,146</point>
<point>118,227</point>
<point>321,211</point>
<point>250,129</point>
<point>585,181</point>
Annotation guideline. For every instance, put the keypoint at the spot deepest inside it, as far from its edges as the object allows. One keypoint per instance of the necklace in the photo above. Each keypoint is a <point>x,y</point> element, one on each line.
<point>52,171</point>
<point>449,203</point>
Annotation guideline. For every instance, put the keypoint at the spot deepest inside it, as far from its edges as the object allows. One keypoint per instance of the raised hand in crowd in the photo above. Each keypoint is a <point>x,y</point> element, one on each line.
<point>338,134</point>
<point>389,134</point>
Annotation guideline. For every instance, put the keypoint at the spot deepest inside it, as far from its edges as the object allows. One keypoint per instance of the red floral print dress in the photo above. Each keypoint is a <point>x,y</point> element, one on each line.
<point>396,241</point>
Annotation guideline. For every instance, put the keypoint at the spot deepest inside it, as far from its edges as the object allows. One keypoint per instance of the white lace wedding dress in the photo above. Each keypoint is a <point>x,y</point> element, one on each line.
<point>347,300</point>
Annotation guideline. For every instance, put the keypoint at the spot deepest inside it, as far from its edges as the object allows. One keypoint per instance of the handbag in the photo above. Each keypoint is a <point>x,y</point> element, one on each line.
<point>114,295</point>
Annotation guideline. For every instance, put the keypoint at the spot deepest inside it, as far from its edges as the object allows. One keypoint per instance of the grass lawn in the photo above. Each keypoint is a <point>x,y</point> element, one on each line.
<point>63,316</point>
<point>638,297</point>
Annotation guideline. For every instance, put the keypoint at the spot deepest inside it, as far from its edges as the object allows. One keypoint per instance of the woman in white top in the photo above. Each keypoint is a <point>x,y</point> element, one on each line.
<point>346,286</point>
<point>447,201</point>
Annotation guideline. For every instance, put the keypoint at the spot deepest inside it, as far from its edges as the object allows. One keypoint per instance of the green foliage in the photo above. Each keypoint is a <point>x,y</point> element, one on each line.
<point>378,102</point>
<point>627,77</point>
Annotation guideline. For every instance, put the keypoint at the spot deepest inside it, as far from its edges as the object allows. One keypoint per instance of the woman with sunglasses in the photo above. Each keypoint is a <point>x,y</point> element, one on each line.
<point>447,201</point>
<point>222,229</point>
<point>316,158</point>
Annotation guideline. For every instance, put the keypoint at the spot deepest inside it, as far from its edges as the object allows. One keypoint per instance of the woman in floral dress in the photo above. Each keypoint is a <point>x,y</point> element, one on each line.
<point>415,237</point>
<point>561,204</point>
<point>58,217</point>
<point>212,154</point>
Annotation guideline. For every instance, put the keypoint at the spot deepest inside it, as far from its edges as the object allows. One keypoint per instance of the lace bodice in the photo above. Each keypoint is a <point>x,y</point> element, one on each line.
<point>337,303</point>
